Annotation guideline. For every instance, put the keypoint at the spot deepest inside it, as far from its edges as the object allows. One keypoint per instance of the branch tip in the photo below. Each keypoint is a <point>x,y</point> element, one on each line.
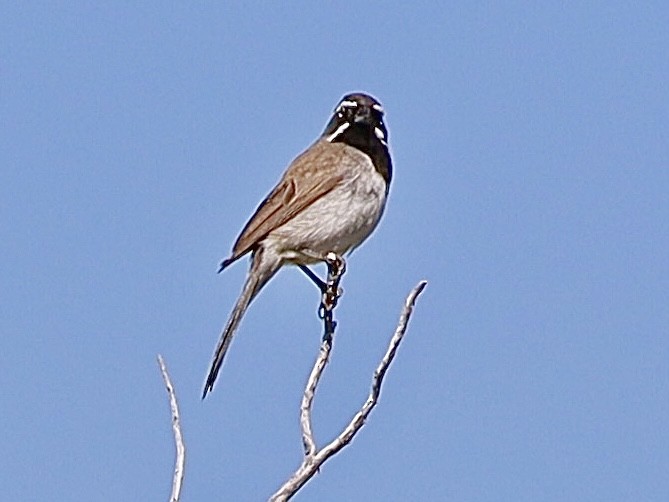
<point>180,462</point>
<point>313,457</point>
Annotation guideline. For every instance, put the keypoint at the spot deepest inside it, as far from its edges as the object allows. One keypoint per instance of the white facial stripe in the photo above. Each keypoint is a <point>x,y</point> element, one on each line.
<point>378,108</point>
<point>346,104</point>
<point>350,104</point>
<point>379,134</point>
<point>340,130</point>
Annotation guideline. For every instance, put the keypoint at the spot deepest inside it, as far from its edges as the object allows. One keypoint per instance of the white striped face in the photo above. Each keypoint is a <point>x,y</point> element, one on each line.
<point>359,115</point>
<point>357,122</point>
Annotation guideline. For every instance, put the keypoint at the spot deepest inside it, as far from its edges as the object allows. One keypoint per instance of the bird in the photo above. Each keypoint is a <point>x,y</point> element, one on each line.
<point>329,200</point>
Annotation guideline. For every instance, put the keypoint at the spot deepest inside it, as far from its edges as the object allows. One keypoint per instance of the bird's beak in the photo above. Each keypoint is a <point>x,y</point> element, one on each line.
<point>363,116</point>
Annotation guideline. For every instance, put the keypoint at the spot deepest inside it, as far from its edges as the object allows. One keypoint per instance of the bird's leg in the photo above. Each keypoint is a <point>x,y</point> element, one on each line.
<point>320,284</point>
<point>336,268</point>
<point>330,290</point>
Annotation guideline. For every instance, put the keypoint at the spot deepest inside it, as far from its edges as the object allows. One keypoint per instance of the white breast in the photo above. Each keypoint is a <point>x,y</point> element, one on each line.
<point>342,219</point>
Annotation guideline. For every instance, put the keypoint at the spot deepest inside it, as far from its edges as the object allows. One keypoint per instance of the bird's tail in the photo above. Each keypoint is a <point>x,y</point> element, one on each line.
<point>262,270</point>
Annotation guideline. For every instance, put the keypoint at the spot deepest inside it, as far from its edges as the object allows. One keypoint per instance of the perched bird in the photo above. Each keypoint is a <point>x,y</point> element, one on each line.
<point>330,199</point>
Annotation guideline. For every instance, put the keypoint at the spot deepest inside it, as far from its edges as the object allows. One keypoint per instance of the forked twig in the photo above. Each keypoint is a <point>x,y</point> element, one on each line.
<point>314,458</point>
<point>180,462</point>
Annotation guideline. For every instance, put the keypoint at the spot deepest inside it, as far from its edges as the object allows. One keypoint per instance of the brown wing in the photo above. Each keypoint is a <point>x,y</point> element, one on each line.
<point>309,177</point>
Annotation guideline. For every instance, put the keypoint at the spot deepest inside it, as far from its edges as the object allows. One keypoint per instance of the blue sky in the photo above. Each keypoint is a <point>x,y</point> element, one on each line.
<point>531,161</point>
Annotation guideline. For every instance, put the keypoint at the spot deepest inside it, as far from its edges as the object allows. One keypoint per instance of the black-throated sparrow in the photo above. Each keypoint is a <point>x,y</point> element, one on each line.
<point>330,199</point>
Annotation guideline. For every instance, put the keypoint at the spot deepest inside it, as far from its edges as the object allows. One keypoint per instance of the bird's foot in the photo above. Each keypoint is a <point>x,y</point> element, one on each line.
<point>331,293</point>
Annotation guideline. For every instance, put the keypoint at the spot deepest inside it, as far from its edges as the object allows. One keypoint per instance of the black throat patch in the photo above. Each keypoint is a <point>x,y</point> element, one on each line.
<point>364,138</point>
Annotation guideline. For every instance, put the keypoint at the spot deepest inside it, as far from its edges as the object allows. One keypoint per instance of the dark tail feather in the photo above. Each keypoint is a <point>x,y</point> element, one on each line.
<point>228,332</point>
<point>258,276</point>
<point>224,264</point>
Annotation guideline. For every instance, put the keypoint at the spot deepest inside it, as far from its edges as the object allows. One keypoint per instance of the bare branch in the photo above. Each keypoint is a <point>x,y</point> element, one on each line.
<point>314,458</point>
<point>180,462</point>
<point>331,293</point>
<point>308,397</point>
